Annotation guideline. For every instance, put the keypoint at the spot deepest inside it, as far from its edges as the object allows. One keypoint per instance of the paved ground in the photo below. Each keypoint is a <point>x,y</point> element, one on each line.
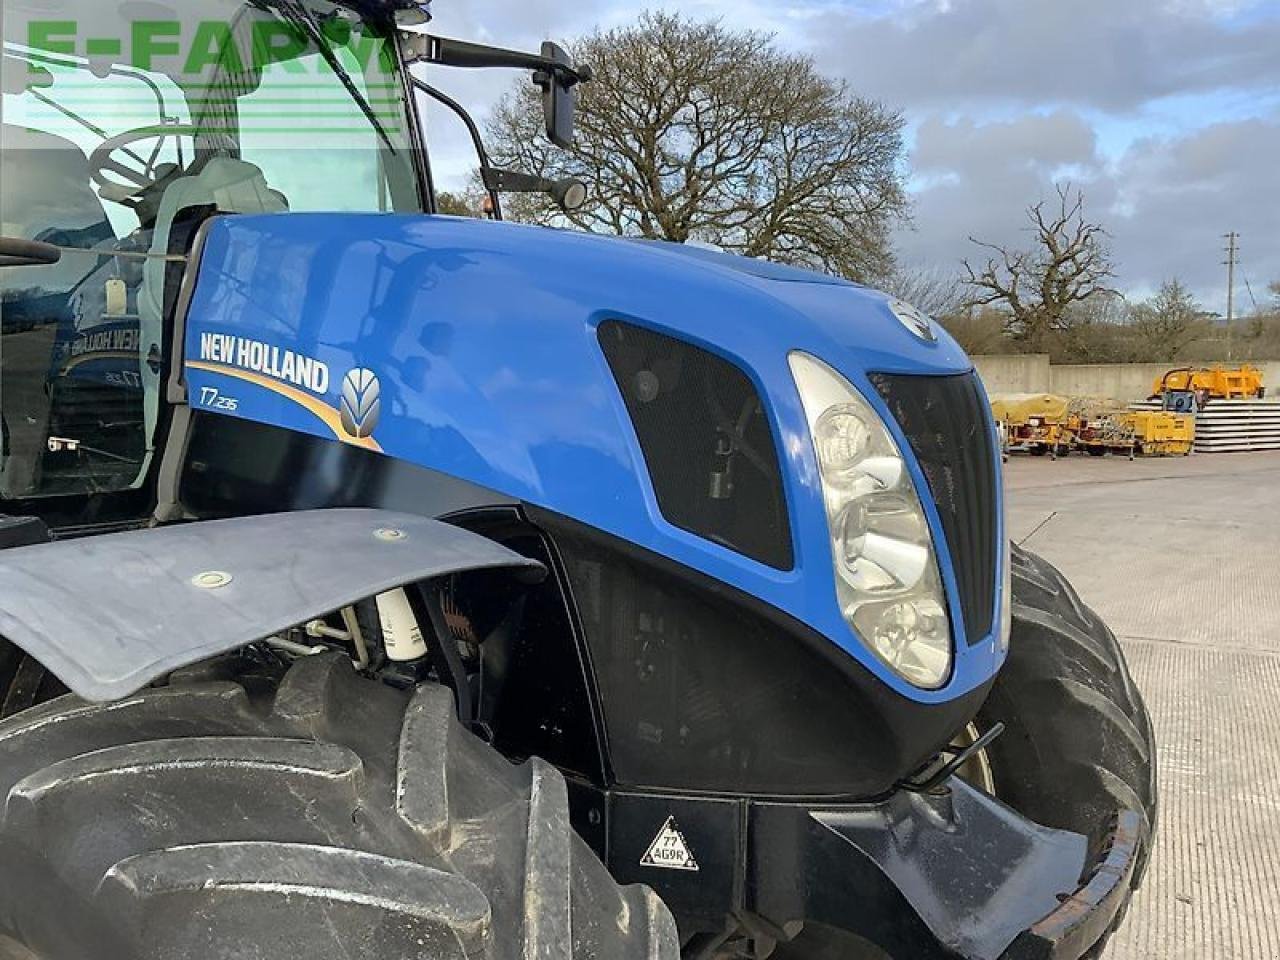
<point>1182,557</point>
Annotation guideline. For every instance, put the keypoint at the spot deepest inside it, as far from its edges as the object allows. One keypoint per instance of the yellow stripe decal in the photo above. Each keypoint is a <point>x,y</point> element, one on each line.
<point>321,410</point>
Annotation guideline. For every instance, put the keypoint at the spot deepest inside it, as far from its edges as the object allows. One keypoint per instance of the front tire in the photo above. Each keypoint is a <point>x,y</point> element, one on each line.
<point>1078,744</point>
<point>23,682</point>
<point>315,815</point>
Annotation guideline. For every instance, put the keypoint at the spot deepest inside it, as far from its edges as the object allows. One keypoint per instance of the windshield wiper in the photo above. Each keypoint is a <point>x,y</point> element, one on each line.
<point>297,14</point>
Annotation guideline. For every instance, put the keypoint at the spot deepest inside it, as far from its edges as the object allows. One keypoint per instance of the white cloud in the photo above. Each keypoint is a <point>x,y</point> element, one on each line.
<point>1180,195</point>
<point>1099,53</point>
<point>1165,201</point>
<point>1004,97</point>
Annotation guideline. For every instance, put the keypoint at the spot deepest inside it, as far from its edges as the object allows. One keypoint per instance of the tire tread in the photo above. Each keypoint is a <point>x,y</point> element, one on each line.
<point>212,806</point>
<point>1078,743</point>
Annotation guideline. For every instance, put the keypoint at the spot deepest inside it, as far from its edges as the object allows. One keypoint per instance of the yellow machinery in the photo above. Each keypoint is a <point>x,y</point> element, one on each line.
<point>1106,432</point>
<point>1147,433</point>
<point>1095,428</point>
<point>1038,423</point>
<point>1156,433</point>
<point>1043,423</point>
<point>1212,383</point>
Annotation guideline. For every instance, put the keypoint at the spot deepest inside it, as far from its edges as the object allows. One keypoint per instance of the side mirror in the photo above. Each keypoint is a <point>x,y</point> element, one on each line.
<point>559,98</point>
<point>553,72</point>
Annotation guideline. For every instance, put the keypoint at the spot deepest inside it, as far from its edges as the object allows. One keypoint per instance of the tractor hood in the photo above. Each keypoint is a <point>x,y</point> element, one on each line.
<point>473,349</point>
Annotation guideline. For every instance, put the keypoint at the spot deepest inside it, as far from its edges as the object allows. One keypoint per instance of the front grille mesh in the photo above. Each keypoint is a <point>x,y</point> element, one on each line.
<point>947,422</point>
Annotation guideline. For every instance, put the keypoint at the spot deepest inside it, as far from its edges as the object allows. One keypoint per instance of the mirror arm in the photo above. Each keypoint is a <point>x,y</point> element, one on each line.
<point>447,52</point>
<point>569,193</point>
<point>511,181</point>
<point>476,140</point>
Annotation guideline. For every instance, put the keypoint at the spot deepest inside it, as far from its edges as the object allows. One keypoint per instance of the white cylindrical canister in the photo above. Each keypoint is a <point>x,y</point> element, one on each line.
<point>117,298</point>
<point>400,631</point>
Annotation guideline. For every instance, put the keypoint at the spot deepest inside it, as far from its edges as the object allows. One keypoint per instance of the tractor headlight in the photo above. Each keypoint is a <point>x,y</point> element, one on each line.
<point>887,579</point>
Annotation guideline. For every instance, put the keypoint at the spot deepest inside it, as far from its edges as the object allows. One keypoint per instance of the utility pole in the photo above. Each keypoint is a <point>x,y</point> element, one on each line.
<point>1233,252</point>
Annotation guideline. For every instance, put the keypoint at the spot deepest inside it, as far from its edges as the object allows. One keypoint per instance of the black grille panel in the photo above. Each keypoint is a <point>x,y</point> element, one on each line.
<point>947,422</point>
<point>706,440</point>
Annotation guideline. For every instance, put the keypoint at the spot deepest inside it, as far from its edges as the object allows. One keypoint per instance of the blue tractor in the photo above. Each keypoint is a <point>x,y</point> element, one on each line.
<point>388,584</point>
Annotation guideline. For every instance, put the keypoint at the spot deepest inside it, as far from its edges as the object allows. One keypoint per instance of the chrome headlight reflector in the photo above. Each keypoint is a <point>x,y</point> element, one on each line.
<point>886,566</point>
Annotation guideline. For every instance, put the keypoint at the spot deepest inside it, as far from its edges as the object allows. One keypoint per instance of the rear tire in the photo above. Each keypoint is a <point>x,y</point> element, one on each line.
<point>315,815</point>
<point>1078,744</point>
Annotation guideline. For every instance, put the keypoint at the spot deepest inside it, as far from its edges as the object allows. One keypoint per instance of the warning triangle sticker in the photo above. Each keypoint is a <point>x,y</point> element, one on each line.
<point>669,850</point>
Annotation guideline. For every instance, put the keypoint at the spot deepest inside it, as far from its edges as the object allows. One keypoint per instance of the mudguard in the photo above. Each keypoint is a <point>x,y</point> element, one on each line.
<point>108,615</point>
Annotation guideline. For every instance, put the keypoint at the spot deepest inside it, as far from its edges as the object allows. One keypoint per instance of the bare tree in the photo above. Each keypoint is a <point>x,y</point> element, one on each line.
<point>1097,330</point>
<point>1274,288</point>
<point>1067,264</point>
<point>691,131</point>
<point>978,331</point>
<point>1168,323</point>
<point>937,292</point>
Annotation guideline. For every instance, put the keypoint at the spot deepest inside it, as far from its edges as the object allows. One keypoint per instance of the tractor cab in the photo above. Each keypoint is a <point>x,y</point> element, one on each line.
<point>118,137</point>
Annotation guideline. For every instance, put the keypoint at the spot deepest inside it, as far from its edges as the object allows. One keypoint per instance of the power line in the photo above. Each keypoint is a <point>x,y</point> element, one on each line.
<point>1252,299</point>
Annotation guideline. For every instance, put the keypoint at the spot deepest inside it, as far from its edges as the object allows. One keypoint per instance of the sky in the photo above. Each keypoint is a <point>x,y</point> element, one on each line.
<point>1166,113</point>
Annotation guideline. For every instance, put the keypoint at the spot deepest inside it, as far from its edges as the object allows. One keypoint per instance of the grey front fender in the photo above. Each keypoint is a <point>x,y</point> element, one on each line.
<point>108,615</point>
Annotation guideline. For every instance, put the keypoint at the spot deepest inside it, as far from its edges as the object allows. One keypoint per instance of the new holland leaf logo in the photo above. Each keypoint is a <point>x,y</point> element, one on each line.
<point>669,850</point>
<point>361,403</point>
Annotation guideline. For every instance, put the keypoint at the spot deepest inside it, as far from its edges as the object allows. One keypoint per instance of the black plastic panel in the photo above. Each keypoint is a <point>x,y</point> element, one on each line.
<point>706,440</point>
<point>534,697</point>
<point>948,423</point>
<point>236,467</point>
<point>706,689</point>
<point>711,829</point>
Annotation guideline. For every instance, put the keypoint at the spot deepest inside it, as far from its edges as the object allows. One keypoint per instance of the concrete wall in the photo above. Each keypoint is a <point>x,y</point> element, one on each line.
<point>1117,381</point>
<point>1032,373</point>
<point>1015,373</point>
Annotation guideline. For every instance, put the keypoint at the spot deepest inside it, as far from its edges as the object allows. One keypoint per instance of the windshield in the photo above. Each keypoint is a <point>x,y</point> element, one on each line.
<point>121,125</point>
